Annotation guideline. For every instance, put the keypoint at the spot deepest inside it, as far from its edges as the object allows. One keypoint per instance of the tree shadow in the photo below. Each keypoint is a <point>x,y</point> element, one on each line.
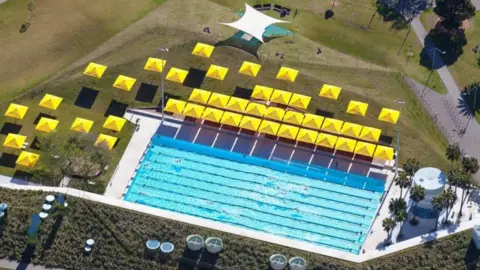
<point>41,115</point>
<point>443,43</point>
<point>411,8</point>
<point>195,78</point>
<point>392,12</point>
<point>26,258</point>
<point>468,98</point>
<point>464,107</point>
<point>86,98</point>
<point>241,92</point>
<point>116,109</point>
<point>472,256</point>
<point>10,128</point>
<point>146,92</point>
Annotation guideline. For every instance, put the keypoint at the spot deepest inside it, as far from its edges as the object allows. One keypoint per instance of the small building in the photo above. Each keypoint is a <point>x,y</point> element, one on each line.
<point>433,181</point>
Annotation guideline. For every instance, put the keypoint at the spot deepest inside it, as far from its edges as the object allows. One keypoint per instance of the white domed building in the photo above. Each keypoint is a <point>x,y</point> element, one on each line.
<point>433,181</point>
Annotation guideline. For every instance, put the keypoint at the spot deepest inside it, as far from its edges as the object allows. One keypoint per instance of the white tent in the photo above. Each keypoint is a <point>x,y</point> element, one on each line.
<point>254,22</point>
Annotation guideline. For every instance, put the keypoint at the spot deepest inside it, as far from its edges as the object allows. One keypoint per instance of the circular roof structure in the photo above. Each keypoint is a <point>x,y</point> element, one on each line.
<point>90,242</point>
<point>278,261</point>
<point>297,263</point>
<point>153,244</point>
<point>167,247</point>
<point>50,198</point>
<point>43,215</point>
<point>430,178</point>
<point>214,244</point>
<point>46,207</point>
<point>195,242</point>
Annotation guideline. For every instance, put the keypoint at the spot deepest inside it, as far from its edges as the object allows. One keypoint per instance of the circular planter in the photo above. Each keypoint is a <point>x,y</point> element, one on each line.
<point>214,244</point>
<point>195,242</point>
<point>297,263</point>
<point>153,244</point>
<point>278,262</point>
<point>167,248</point>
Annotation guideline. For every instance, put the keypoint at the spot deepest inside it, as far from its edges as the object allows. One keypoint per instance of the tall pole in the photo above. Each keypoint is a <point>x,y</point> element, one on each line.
<point>398,148</point>
<point>163,90</point>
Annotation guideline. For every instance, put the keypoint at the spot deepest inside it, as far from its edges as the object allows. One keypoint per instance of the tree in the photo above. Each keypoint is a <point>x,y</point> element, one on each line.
<point>417,194</point>
<point>449,197</point>
<point>411,166</point>
<point>403,181</point>
<point>437,205</point>
<point>472,92</point>
<point>454,178</point>
<point>449,40</point>
<point>401,216</point>
<point>453,12</point>
<point>388,225</point>
<point>397,205</point>
<point>453,153</point>
<point>470,165</point>
<point>465,182</point>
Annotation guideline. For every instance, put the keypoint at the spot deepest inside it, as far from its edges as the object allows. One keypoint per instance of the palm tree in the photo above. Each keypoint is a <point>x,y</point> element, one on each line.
<point>403,181</point>
<point>453,153</point>
<point>449,199</point>
<point>438,205</point>
<point>465,182</point>
<point>417,193</point>
<point>397,205</point>
<point>454,178</point>
<point>401,216</point>
<point>388,225</point>
<point>411,166</point>
<point>470,165</point>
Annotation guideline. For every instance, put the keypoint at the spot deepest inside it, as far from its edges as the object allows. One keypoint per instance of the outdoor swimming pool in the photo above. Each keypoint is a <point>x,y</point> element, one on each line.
<point>254,197</point>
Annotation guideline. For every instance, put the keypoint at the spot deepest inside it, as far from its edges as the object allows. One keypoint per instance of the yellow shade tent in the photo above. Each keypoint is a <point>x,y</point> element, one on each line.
<point>300,101</point>
<point>155,64</point>
<point>307,135</point>
<point>345,144</point>
<point>193,110</point>
<point>114,123</point>
<point>269,127</point>
<point>256,109</point>
<point>95,70</point>
<point>27,159</point>
<point>175,106</point>
<point>351,129</point>
<point>389,115</point>
<point>365,149</point>
<point>326,140</point>
<point>332,125</point>
<point>46,124</point>
<point>124,82</point>
<point>250,123</point>
<point>357,107</point>
<point>81,125</point>
<point>330,91</point>
<point>231,119</point>
<point>14,141</point>
<point>288,131</point>
<point>105,141</point>
<point>177,75</point>
<point>212,114</point>
<point>383,152</point>
<point>287,74</point>
<point>217,72</point>
<point>280,96</point>
<point>16,111</point>
<point>262,92</point>
<point>249,68</point>
<point>200,95</point>
<point>203,50</point>
<point>50,102</point>
<point>293,117</point>
<point>274,113</point>
<point>312,121</point>
<point>370,134</point>
<point>218,100</point>
<point>237,104</point>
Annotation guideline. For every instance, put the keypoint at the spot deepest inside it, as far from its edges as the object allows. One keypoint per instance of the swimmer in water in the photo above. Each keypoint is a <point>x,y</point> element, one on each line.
<point>178,160</point>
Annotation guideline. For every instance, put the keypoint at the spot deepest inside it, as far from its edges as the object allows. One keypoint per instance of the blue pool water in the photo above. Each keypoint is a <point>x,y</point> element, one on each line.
<point>255,197</point>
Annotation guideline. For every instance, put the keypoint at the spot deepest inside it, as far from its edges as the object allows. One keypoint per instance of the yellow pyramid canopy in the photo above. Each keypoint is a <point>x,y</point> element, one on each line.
<point>105,141</point>
<point>288,132</point>
<point>14,141</point>
<point>389,115</point>
<point>200,96</point>
<point>383,152</point>
<point>365,149</point>
<point>50,102</point>
<point>212,114</point>
<point>332,125</point>
<point>287,74</point>
<point>124,82</point>
<point>300,101</point>
<point>312,121</point>
<point>193,110</point>
<point>330,91</point>
<point>114,123</point>
<point>217,72</point>
<point>250,123</point>
<point>175,106</point>
<point>307,135</point>
<point>357,107</point>
<point>280,96</point>
<point>370,134</point>
<point>203,50</point>
<point>16,111</point>
<point>351,129</point>
<point>95,70</point>
<point>250,69</point>
<point>218,100</point>
<point>274,113</point>
<point>326,140</point>
<point>231,119</point>
<point>176,75</point>
<point>293,117</point>
<point>155,64</point>
<point>256,109</point>
<point>237,104</point>
<point>262,92</point>
<point>81,125</point>
<point>269,127</point>
<point>345,144</point>
<point>46,124</point>
<point>27,159</point>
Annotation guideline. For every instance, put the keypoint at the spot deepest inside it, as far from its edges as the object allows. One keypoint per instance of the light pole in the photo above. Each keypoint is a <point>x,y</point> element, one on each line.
<point>398,139</point>
<point>163,80</point>
<point>433,67</point>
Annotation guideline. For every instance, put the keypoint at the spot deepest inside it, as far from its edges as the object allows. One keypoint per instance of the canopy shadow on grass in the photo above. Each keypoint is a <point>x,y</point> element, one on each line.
<point>250,46</point>
<point>86,98</point>
<point>324,113</point>
<point>8,160</point>
<point>116,109</point>
<point>242,92</point>
<point>167,96</point>
<point>384,139</point>
<point>10,128</point>
<point>195,78</point>
<point>40,115</point>
<point>22,175</point>
<point>146,92</point>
